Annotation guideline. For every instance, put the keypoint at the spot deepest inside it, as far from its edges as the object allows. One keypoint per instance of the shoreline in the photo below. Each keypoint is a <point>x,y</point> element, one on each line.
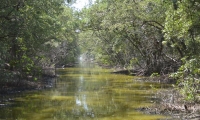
<point>45,82</point>
<point>173,106</point>
<point>170,104</point>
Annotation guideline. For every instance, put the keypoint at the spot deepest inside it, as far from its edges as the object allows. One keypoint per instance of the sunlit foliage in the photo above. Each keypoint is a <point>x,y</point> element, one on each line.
<point>150,36</point>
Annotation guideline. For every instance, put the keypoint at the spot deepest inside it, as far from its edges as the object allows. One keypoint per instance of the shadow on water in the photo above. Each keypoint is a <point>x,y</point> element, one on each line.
<point>84,93</point>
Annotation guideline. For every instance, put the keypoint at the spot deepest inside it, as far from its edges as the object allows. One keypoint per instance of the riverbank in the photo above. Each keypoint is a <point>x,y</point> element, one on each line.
<point>171,102</point>
<point>168,101</point>
<point>13,87</point>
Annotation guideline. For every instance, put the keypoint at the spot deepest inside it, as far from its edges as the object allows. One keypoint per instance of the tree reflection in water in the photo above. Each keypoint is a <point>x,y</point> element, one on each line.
<point>85,93</point>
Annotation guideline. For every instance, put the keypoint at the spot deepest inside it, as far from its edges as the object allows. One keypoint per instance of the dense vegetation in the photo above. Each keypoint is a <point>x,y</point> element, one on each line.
<point>153,37</point>
<point>34,35</point>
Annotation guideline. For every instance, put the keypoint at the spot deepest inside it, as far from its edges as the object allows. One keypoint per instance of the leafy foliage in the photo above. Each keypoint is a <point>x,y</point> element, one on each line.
<point>130,30</point>
<point>34,34</point>
<point>154,37</point>
<point>188,75</point>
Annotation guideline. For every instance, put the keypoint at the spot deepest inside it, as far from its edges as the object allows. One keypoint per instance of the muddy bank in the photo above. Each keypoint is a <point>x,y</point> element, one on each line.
<point>161,79</point>
<point>170,102</point>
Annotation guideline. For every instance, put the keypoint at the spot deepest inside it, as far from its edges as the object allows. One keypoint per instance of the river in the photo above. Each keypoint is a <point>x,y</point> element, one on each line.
<point>84,93</point>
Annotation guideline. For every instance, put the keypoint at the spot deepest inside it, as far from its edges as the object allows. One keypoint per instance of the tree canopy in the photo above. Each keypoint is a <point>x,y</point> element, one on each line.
<point>148,36</point>
<point>35,34</point>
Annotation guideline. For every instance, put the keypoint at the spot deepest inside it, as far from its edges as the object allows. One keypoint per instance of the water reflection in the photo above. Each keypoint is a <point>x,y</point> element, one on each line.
<point>83,94</point>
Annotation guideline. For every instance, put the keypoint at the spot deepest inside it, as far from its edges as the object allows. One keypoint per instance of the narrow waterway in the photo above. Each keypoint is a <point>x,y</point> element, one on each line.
<point>84,93</point>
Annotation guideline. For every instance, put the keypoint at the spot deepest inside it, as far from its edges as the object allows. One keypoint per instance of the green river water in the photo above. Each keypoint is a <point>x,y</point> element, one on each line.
<point>84,93</point>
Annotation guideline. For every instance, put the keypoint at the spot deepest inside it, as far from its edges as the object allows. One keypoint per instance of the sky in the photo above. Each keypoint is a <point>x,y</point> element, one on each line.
<point>80,4</point>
